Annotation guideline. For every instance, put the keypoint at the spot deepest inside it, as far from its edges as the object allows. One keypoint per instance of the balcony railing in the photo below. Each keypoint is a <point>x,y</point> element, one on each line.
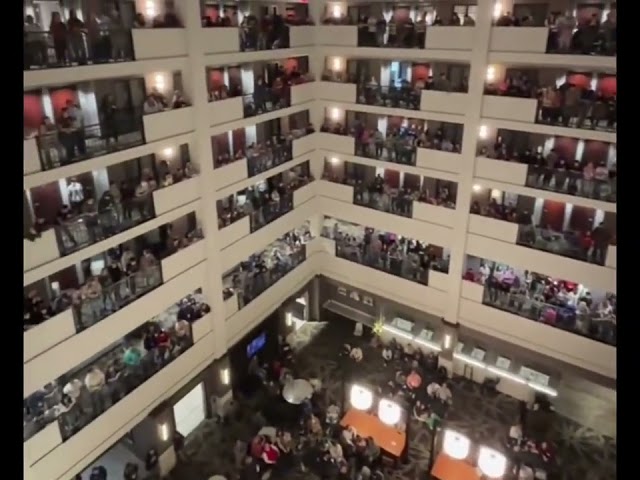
<point>585,40</point>
<point>573,182</point>
<point>258,280</point>
<point>265,157</point>
<point>530,303</point>
<point>406,97</point>
<point>68,49</point>
<point>393,201</point>
<point>109,379</point>
<point>399,35</point>
<point>94,302</point>
<point>266,100</point>
<point>253,38</point>
<point>61,147</point>
<point>569,244</point>
<point>394,148</point>
<point>270,212</point>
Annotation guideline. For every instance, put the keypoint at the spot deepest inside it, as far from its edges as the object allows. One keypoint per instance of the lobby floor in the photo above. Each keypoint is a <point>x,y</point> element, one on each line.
<point>582,453</point>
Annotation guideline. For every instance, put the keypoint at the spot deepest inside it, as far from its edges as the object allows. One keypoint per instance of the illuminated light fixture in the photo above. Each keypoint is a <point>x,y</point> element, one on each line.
<point>337,63</point>
<point>447,342</point>
<point>360,397</point>
<point>456,445</point>
<point>159,81</point>
<point>334,160</point>
<point>167,152</point>
<point>225,376</point>
<point>505,374</point>
<point>483,132</point>
<point>164,432</point>
<point>389,412</point>
<point>476,188</point>
<point>288,321</point>
<point>150,8</point>
<point>335,114</point>
<point>491,462</point>
<point>491,73</point>
<point>408,336</point>
<point>469,360</point>
<point>497,10</point>
<point>336,11</point>
<point>542,389</point>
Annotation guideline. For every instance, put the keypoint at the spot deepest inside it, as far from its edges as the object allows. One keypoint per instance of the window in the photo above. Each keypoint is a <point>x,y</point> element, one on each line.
<point>462,10</point>
<point>402,324</point>
<point>426,334</point>
<point>459,347</point>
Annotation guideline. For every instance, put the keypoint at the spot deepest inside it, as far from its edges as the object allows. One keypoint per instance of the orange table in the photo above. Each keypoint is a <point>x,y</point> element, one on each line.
<point>386,437</point>
<point>447,468</point>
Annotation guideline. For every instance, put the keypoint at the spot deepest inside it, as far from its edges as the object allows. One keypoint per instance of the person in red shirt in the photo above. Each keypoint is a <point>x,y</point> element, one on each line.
<point>270,454</point>
<point>469,276</point>
<point>256,447</point>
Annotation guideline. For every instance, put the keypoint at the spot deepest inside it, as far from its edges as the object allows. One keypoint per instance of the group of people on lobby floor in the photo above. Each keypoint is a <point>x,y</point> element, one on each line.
<point>78,397</point>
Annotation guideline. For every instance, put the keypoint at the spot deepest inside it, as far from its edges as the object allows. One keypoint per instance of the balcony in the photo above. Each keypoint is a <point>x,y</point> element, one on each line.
<point>398,193</point>
<point>265,206</point>
<point>78,304</point>
<point>168,123</point>
<point>43,452</point>
<point>574,308</point>
<point>581,233</point>
<point>152,43</point>
<point>94,220</point>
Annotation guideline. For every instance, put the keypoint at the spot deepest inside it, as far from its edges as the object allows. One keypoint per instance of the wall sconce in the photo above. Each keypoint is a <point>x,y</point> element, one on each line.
<point>159,82</point>
<point>491,73</point>
<point>483,132</point>
<point>447,341</point>
<point>334,160</point>
<point>150,8</point>
<point>337,63</point>
<point>497,10</point>
<point>335,114</point>
<point>336,11</point>
<point>287,319</point>
<point>163,431</point>
<point>477,188</point>
<point>225,376</point>
<point>168,152</point>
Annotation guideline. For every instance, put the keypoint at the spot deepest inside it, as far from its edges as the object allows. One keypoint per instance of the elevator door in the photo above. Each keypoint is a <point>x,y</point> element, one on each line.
<point>189,412</point>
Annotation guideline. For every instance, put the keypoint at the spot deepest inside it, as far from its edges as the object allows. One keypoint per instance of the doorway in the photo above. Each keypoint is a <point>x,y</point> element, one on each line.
<point>190,411</point>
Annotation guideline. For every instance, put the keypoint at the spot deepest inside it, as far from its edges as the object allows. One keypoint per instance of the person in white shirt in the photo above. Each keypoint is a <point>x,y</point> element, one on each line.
<point>73,389</point>
<point>94,380</point>
<point>485,271</point>
<point>444,394</point>
<point>77,123</point>
<point>433,389</point>
<point>515,435</point>
<point>75,191</point>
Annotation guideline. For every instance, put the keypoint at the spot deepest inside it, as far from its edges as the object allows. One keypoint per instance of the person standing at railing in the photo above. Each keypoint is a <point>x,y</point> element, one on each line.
<point>108,109</point>
<point>118,35</point>
<point>58,31</point>
<point>35,45</point>
<point>77,30</point>
<point>77,124</point>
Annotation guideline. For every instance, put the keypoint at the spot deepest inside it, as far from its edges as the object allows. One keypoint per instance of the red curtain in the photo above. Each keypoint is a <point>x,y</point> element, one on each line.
<point>566,147</point>
<point>581,218</point>
<point>608,85</point>
<point>33,110</point>
<point>216,78</point>
<point>552,215</point>
<point>595,151</point>
<point>59,98</point>
<point>49,201</point>
<point>582,80</point>
<point>392,177</point>
<point>420,72</point>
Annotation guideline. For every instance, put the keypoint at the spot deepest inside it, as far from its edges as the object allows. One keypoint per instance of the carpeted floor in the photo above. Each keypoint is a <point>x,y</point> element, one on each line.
<point>582,453</point>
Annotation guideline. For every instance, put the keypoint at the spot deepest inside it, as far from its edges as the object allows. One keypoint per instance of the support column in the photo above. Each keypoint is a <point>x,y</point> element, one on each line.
<point>465,179</point>
<point>207,213</point>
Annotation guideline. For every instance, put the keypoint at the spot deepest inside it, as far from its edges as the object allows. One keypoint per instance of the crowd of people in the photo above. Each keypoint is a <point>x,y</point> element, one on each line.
<point>157,102</point>
<point>555,302</point>
<point>566,105</point>
<point>275,93</point>
<point>569,35</point>
<point>589,245</point>
<point>380,195</point>
<point>128,273</point>
<point>265,202</point>
<point>88,219</point>
<point>376,31</point>
<point>81,395</point>
<point>556,172</point>
<point>66,139</point>
<point>102,38</point>
<point>250,278</point>
<point>227,16</point>
<point>394,254</point>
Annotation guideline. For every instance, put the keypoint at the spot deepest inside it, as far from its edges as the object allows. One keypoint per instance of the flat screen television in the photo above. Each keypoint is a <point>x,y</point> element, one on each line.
<point>256,344</point>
